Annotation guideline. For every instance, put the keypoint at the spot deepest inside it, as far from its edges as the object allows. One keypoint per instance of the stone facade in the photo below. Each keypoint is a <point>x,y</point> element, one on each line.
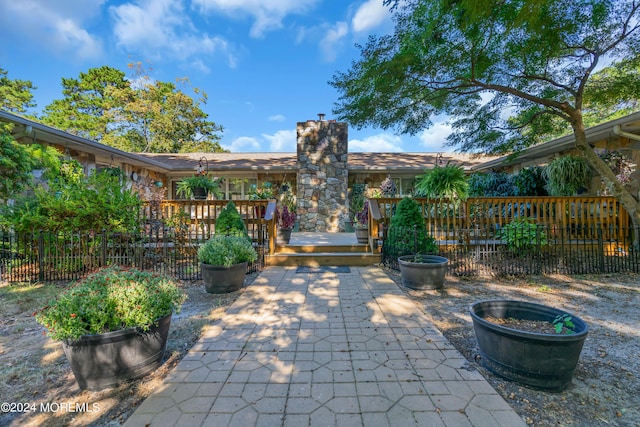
<point>322,175</point>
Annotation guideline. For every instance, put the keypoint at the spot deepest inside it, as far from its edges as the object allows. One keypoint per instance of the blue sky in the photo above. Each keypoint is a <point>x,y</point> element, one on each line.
<point>264,64</point>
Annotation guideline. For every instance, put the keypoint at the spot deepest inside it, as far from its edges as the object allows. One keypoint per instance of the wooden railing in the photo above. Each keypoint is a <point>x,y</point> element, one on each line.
<point>200,216</point>
<point>572,217</point>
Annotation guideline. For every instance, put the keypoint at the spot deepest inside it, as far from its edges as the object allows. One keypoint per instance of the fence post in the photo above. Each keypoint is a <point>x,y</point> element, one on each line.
<point>40,256</point>
<point>600,251</point>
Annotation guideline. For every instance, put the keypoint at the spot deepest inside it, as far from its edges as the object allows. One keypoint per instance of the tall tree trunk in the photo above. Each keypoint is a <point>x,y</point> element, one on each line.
<point>617,189</point>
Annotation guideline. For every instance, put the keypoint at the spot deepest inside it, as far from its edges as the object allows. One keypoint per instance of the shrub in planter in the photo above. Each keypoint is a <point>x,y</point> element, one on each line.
<point>407,233</point>
<point>224,260</point>
<point>361,224</point>
<point>113,324</point>
<point>230,222</point>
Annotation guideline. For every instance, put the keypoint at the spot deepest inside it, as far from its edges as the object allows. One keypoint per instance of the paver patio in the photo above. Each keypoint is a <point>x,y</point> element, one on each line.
<point>324,348</point>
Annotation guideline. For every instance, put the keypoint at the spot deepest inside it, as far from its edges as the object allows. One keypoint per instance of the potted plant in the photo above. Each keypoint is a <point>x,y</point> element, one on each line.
<point>356,202</point>
<point>263,193</point>
<point>198,187</point>
<point>361,224</point>
<point>414,248</point>
<point>113,324</point>
<point>529,343</point>
<point>224,260</point>
<point>286,221</point>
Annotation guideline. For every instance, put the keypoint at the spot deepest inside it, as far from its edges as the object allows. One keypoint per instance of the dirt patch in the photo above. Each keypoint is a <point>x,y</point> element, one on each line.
<point>604,390</point>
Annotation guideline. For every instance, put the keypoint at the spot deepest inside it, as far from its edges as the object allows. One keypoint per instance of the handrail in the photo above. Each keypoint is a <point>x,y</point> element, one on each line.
<point>577,216</point>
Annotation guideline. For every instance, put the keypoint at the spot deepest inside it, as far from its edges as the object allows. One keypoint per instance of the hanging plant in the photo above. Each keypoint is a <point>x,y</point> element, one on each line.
<point>388,187</point>
<point>448,182</point>
<point>566,175</point>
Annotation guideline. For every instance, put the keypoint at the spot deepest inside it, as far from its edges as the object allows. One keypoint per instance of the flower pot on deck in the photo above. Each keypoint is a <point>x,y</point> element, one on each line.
<point>362,235</point>
<point>541,361</point>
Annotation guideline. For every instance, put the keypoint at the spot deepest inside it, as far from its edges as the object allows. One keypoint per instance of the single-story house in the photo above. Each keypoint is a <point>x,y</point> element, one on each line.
<point>321,171</point>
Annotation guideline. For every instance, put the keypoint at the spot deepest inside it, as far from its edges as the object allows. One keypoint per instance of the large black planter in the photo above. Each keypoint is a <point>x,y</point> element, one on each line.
<point>423,271</point>
<point>222,280</point>
<point>104,360</point>
<point>541,361</point>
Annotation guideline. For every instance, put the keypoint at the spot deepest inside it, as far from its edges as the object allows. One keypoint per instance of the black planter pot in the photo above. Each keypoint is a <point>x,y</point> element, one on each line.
<point>104,360</point>
<point>541,361</point>
<point>423,271</point>
<point>200,193</point>
<point>222,280</point>
<point>284,236</point>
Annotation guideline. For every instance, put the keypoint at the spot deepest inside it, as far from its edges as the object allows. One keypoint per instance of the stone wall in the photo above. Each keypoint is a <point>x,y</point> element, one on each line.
<point>322,175</point>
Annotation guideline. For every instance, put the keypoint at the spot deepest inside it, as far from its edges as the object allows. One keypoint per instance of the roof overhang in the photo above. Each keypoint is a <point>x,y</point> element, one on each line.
<point>29,131</point>
<point>595,134</point>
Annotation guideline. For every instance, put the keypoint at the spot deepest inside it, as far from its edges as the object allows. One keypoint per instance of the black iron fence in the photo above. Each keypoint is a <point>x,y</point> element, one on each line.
<point>529,249</point>
<point>52,256</point>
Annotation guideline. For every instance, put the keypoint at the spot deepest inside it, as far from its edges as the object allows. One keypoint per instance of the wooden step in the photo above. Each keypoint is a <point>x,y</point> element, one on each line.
<point>316,259</point>
<point>307,248</point>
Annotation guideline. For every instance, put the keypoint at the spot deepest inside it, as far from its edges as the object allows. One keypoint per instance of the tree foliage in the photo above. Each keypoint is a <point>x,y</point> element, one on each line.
<point>133,114</point>
<point>17,161</point>
<point>15,95</point>
<point>482,62</point>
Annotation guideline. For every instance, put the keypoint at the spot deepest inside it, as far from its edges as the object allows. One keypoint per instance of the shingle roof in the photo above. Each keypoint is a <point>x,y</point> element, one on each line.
<point>396,162</point>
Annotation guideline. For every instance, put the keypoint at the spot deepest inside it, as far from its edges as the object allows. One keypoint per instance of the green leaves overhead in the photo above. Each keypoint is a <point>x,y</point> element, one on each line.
<point>481,62</point>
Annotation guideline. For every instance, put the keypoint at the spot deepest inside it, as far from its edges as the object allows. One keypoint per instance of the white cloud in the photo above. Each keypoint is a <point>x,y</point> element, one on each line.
<point>380,143</point>
<point>56,24</point>
<point>282,141</point>
<point>277,118</point>
<point>268,15</point>
<point>152,26</point>
<point>369,15</point>
<point>243,143</point>
<point>434,138</point>
<point>332,39</point>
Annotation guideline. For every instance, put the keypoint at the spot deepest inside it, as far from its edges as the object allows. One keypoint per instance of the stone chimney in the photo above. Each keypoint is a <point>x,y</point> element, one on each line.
<point>322,175</point>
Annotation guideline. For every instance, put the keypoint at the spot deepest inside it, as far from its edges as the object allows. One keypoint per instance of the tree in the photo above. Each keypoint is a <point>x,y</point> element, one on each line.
<point>15,95</point>
<point>89,106</point>
<point>17,161</point>
<point>482,61</point>
<point>135,114</point>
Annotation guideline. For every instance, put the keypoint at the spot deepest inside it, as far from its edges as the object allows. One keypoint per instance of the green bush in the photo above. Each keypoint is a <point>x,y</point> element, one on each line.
<point>226,251</point>
<point>407,233</point>
<point>75,203</point>
<point>110,300</point>
<point>230,222</point>
<point>522,236</point>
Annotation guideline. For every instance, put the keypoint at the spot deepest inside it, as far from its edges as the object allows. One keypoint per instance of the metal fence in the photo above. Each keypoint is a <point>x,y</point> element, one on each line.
<point>52,256</point>
<point>542,249</point>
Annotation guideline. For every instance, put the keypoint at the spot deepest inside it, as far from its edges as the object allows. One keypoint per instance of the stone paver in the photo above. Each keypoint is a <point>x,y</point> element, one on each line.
<point>326,349</point>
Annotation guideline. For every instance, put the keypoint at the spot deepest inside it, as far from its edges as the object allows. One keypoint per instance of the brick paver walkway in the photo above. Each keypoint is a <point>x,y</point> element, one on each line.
<point>324,349</point>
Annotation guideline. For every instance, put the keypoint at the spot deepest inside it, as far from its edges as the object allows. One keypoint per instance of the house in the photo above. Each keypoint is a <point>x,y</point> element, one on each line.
<point>621,135</point>
<point>321,171</point>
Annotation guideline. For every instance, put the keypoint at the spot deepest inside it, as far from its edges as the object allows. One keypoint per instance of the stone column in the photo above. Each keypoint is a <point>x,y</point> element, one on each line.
<point>322,175</point>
